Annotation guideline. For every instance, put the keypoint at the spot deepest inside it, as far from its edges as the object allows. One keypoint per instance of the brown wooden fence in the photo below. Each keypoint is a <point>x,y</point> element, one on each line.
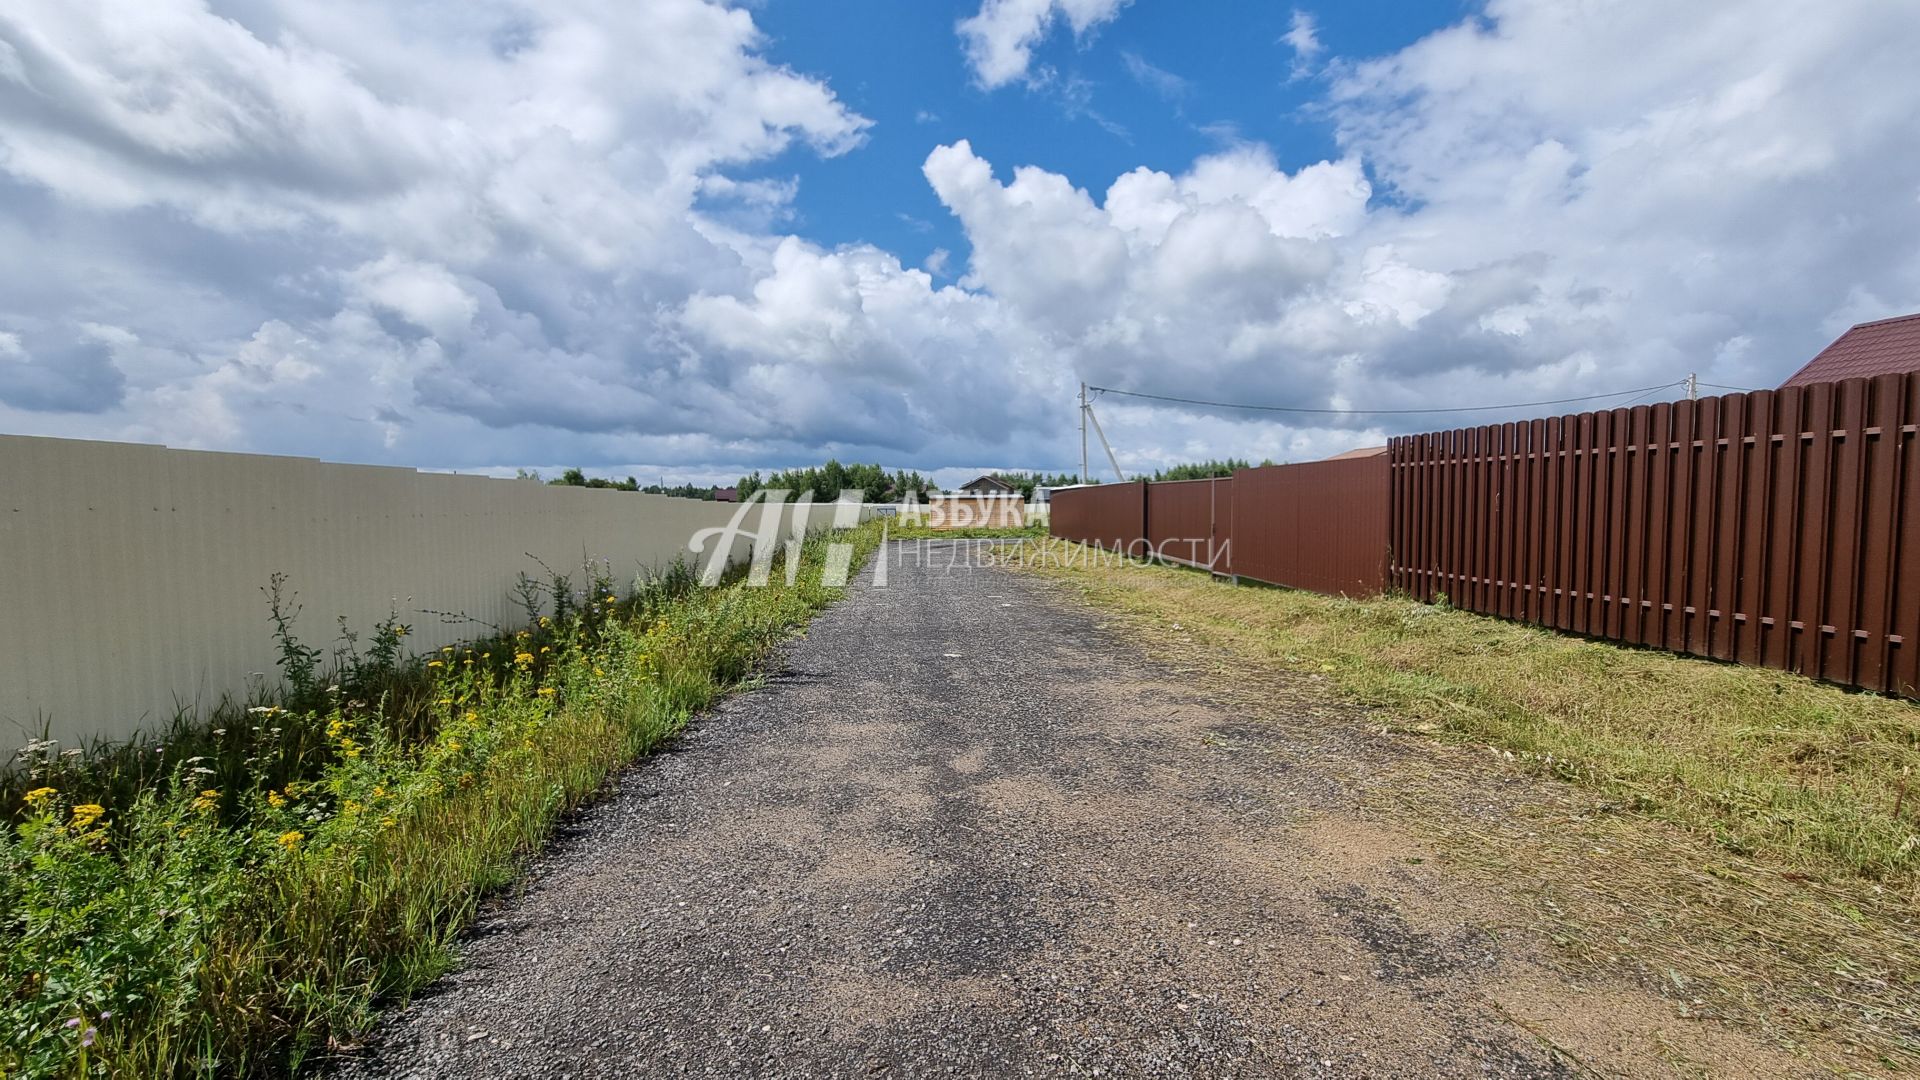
<point>1112,516</point>
<point>1779,528</point>
<point>1320,525</point>
<point>1191,522</point>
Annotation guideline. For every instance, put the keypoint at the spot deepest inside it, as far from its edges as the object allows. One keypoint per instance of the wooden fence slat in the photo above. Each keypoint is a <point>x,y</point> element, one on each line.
<point>1905,586</point>
<point>1776,528</point>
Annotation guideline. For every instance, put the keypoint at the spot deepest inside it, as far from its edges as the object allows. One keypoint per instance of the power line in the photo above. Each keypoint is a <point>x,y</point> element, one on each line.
<point>1378,412</point>
<point>1736,389</point>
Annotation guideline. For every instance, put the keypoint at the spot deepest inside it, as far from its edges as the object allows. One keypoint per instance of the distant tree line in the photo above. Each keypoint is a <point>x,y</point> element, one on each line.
<point>1201,470</point>
<point>874,483</point>
<point>579,478</point>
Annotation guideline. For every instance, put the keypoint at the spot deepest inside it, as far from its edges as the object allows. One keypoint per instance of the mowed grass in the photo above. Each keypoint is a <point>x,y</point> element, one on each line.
<point>908,529</point>
<point>1805,775</point>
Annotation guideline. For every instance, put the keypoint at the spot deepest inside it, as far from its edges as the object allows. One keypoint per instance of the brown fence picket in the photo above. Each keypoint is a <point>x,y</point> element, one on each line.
<point>1778,528</point>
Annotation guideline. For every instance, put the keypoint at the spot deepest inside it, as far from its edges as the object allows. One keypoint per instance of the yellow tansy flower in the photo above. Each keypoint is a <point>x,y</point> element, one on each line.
<point>290,839</point>
<point>39,795</point>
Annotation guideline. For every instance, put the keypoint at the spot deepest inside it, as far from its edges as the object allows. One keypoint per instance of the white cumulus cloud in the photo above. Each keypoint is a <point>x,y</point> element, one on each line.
<point>482,235</point>
<point>1000,37</point>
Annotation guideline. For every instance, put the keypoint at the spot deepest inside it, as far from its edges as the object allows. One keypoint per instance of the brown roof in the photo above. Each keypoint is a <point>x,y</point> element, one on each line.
<point>1365,451</point>
<point>1886,347</point>
<point>985,483</point>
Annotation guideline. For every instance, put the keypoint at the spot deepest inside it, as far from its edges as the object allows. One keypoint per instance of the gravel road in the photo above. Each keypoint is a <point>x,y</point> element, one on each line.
<point>965,829</point>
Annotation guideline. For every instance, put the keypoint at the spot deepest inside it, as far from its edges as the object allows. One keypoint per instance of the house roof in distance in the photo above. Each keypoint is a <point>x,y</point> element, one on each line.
<point>1362,452</point>
<point>1884,347</point>
<point>986,483</point>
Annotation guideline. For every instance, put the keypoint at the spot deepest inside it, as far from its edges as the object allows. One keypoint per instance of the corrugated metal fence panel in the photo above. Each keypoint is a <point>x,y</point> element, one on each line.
<point>1189,521</point>
<point>1111,516</point>
<point>1779,528</point>
<point>139,569</point>
<point>1321,526</point>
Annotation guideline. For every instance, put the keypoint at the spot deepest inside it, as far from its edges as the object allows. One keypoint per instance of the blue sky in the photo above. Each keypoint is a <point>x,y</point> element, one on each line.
<point>1159,87</point>
<point>692,238</point>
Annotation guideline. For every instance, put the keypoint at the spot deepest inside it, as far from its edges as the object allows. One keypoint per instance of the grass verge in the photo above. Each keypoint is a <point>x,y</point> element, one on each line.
<point>1809,775</point>
<point>185,928</point>
<point>899,529</point>
<point>1743,839</point>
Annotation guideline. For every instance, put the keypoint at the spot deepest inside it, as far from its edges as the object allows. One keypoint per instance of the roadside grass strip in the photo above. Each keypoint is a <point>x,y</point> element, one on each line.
<point>1747,837</point>
<point>255,901</point>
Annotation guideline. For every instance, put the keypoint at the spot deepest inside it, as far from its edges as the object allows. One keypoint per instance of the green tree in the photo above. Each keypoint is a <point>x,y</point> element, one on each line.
<point>1204,469</point>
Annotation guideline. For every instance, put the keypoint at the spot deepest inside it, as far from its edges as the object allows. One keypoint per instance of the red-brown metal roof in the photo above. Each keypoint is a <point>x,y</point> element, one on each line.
<point>1362,452</point>
<point>1886,347</point>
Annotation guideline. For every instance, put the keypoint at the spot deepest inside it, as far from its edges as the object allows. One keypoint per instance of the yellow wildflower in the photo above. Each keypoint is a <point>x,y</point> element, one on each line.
<point>523,658</point>
<point>379,791</point>
<point>446,701</point>
<point>290,839</point>
<point>599,673</point>
<point>544,621</point>
<point>351,806</point>
<point>436,664</point>
<point>350,748</point>
<point>387,822</point>
<point>544,650</point>
<point>546,691</point>
<point>39,795</point>
<point>335,727</point>
<point>472,716</point>
<point>207,800</point>
<point>86,814</point>
<point>276,800</point>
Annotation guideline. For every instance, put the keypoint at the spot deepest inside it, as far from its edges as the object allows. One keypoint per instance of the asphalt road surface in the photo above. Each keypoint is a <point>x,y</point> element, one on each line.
<point>965,829</point>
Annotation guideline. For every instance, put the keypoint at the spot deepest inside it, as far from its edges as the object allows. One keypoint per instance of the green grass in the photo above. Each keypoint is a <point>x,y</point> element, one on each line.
<point>898,529</point>
<point>1807,775</point>
<point>222,922</point>
<point>1755,835</point>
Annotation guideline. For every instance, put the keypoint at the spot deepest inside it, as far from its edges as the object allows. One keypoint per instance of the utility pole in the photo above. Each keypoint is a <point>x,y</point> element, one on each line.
<point>1084,478</point>
<point>1693,386</point>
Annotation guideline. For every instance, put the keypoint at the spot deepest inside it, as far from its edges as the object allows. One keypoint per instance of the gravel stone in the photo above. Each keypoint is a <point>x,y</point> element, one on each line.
<point>962,829</point>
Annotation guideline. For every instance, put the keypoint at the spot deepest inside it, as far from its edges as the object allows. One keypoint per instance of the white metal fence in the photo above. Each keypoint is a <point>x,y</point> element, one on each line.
<point>131,576</point>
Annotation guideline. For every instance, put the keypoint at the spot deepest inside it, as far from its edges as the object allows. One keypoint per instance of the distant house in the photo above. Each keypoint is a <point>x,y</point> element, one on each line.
<point>988,485</point>
<point>1885,347</point>
<point>726,494</point>
<point>1363,452</point>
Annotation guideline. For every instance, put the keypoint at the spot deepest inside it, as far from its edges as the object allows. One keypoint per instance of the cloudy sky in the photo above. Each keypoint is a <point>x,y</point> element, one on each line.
<point>680,238</point>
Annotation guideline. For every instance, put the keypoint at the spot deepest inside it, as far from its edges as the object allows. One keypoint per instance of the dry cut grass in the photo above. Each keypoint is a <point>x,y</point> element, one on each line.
<point>1768,764</point>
